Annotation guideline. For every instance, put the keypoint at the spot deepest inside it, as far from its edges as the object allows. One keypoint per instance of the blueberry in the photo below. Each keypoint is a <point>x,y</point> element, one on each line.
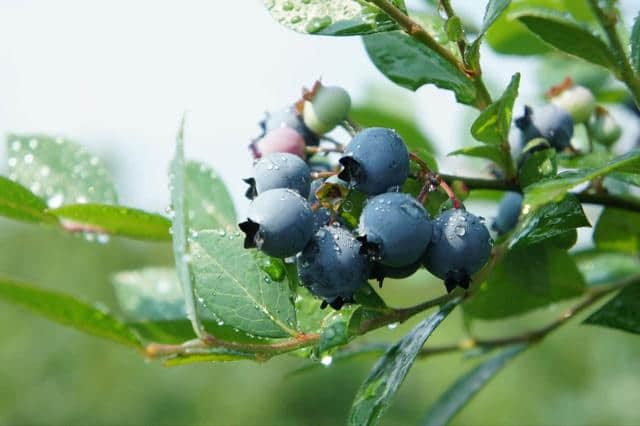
<point>604,128</point>
<point>508,212</point>
<point>394,229</point>
<point>374,160</point>
<point>459,247</point>
<point>331,266</point>
<point>283,139</point>
<point>279,222</point>
<point>380,271</point>
<point>279,170</point>
<point>288,117</point>
<point>550,122</point>
<point>329,106</point>
<point>321,217</point>
<point>578,101</point>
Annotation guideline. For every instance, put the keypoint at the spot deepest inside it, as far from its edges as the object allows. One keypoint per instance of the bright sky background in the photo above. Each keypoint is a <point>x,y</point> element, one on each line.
<point>116,76</point>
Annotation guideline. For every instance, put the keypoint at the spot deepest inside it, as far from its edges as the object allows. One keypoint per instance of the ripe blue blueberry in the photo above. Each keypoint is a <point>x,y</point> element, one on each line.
<point>508,212</point>
<point>375,160</point>
<point>550,122</point>
<point>314,186</point>
<point>279,170</point>
<point>321,217</point>
<point>288,117</point>
<point>279,222</point>
<point>394,229</point>
<point>331,266</point>
<point>459,247</point>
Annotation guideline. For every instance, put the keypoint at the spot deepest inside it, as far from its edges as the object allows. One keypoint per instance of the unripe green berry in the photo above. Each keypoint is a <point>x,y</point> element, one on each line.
<point>578,101</point>
<point>604,128</point>
<point>329,106</point>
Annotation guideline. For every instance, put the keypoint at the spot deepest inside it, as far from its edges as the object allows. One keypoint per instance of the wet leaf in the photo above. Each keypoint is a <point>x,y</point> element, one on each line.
<point>549,221</point>
<point>115,220</point>
<point>622,312</point>
<point>153,303</point>
<point>555,189</point>
<point>493,124</point>
<point>375,394</point>
<point>335,17</point>
<point>233,286</point>
<point>208,202</point>
<point>411,64</point>
<point>17,202</point>
<point>59,171</point>
<point>527,278</point>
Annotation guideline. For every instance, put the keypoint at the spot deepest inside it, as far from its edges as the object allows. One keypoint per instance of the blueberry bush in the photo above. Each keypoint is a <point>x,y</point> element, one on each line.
<point>343,197</point>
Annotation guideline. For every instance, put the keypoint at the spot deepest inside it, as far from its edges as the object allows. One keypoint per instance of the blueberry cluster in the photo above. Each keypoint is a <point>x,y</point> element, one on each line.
<point>394,236</point>
<point>569,105</point>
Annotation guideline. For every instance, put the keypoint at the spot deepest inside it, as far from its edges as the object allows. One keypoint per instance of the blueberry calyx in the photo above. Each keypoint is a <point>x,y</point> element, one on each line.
<point>250,228</point>
<point>337,303</point>
<point>457,278</point>
<point>352,170</point>
<point>252,191</point>
<point>524,121</point>
<point>369,249</point>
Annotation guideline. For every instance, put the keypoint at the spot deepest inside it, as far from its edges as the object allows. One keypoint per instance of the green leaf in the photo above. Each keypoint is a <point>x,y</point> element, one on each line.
<point>208,201</point>
<point>618,230</point>
<point>490,152</point>
<point>68,311</point>
<point>551,220</point>
<point>527,278</point>
<point>635,43</point>
<point>335,17</point>
<point>153,304</point>
<point>60,171</point>
<point>211,355</point>
<point>622,312</point>
<point>603,267</point>
<point>17,202</point>
<point>555,189</point>
<point>180,228</point>
<point>233,286</point>
<point>411,64</point>
<point>565,34</point>
<point>537,166</point>
<point>493,124</point>
<point>375,394</point>
<point>492,12</point>
<point>510,37</point>
<point>465,388</point>
<point>116,220</point>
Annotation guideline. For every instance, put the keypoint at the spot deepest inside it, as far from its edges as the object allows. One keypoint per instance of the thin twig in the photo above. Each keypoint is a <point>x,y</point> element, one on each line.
<point>607,200</point>
<point>535,335</point>
<point>625,72</point>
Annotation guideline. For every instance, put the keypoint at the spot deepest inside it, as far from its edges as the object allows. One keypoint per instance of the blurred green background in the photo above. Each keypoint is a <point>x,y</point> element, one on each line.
<point>54,375</point>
